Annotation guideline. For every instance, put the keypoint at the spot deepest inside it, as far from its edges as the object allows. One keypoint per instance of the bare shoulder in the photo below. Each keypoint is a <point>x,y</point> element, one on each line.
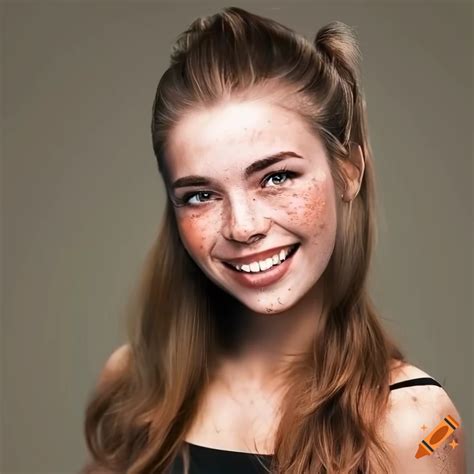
<point>405,371</point>
<point>413,413</point>
<point>115,363</point>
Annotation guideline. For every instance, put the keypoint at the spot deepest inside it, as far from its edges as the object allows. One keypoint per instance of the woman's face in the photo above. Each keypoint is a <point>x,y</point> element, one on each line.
<point>234,207</point>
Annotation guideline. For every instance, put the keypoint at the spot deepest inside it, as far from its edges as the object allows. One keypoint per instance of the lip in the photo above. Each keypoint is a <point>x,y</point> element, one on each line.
<point>258,256</point>
<point>262,279</point>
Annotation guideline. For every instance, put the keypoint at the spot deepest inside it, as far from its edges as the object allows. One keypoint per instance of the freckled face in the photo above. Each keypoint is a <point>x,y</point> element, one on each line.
<point>219,219</point>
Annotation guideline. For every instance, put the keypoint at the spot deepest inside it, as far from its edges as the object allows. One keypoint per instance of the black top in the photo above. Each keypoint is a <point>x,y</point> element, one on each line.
<point>204,460</point>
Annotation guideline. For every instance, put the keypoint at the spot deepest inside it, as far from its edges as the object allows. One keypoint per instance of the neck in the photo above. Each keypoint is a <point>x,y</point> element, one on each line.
<point>259,346</point>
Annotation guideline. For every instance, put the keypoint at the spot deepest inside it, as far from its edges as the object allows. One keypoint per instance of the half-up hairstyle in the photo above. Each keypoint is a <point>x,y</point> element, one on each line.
<point>337,396</point>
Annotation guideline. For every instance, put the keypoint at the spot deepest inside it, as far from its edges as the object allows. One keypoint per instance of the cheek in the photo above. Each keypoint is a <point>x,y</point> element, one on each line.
<point>195,232</point>
<point>312,209</point>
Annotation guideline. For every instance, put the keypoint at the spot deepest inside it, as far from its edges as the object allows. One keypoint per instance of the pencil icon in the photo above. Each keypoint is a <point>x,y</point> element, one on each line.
<point>437,436</point>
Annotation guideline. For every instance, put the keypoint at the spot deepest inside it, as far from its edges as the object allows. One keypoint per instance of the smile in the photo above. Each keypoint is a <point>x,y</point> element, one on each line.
<point>253,276</point>
<point>267,264</point>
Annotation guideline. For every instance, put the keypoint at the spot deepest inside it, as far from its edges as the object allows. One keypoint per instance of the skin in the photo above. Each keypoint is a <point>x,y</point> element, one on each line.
<point>219,143</point>
<point>413,413</point>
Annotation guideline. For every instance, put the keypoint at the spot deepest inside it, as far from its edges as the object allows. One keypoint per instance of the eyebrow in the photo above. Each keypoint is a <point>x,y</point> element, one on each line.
<point>255,167</point>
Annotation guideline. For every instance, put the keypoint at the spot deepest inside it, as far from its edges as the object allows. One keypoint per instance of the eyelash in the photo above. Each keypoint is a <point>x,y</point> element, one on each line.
<point>183,201</point>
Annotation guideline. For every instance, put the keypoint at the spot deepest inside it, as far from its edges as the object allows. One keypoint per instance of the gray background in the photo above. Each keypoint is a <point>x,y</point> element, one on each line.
<point>82,200</point>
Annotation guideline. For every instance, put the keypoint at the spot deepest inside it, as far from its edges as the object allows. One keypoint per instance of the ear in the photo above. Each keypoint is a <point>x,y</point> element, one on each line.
<point>353,168</point>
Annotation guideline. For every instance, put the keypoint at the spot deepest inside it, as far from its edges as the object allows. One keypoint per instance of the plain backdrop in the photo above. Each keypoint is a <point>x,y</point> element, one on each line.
<point>82,199</point>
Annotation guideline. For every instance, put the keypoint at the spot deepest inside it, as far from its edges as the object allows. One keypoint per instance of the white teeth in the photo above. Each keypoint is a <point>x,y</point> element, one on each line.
<point>262,265</point>
<point>254,267</point>
<point>265,264</point>
<point>269,262</point>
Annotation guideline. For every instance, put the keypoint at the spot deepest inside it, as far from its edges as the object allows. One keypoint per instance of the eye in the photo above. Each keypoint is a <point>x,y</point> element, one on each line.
<point>187,198</point>
<point>283,172</point>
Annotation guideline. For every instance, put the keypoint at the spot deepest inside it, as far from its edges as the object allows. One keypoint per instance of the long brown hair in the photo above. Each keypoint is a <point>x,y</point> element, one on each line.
<point>338,392</point>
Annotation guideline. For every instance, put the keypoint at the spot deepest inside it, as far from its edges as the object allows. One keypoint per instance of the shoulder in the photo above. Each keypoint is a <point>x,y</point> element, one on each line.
<point>115,363</point>
<point>405,371</point>
<point>414,412</point>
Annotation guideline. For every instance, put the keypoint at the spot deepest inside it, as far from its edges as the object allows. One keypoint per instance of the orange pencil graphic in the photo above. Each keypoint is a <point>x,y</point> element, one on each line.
<point>439,434</point>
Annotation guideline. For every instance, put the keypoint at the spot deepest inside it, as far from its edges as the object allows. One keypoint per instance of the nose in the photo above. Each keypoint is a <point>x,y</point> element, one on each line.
<point>242,221</point>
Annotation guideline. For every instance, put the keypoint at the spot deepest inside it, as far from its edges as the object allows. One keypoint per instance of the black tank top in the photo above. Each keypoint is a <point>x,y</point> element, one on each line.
<point>204,460</point>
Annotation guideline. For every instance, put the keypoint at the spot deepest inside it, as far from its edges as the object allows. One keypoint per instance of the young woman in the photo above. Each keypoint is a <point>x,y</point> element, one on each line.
<point>254,344</point>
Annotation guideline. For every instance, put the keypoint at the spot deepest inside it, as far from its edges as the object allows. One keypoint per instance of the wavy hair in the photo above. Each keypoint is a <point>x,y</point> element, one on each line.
<point>338,392</point>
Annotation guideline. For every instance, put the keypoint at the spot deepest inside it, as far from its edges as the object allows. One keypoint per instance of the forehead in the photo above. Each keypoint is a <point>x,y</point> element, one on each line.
<point>234,134</point>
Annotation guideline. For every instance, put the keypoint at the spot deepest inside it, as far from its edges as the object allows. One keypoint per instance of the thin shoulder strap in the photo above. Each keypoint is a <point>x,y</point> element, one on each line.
<point>413,382</point>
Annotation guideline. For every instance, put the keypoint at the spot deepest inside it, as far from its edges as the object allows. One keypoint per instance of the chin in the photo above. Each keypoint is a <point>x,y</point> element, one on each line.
<point>267,305</point>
